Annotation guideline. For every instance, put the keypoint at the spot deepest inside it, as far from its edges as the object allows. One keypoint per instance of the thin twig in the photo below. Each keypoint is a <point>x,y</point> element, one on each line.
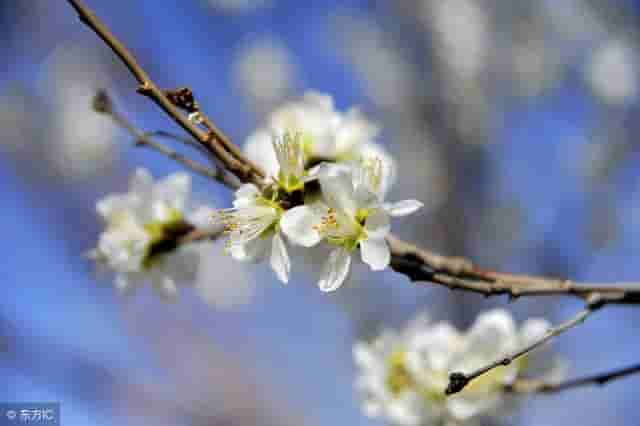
<point>214,140</point>
<point>104,104</point>
<point>539,386</point>
<point>179,138</point>
<point>201,235</point>
<point>458,380</point>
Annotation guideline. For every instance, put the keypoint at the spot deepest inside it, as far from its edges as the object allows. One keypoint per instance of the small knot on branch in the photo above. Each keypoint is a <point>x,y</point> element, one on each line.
<point>102,102</point>
<point>595,301</point>
<point>457,382</point>
<point>183,98</point>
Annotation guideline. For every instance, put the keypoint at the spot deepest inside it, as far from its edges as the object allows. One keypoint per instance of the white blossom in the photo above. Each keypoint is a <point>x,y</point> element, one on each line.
<point>252,226</point>
<point>351,215</point>
<point>612,72</point>
<point>265,72</point>
<point>137,225</point>
<point>80,143</point>
<point>403,375</point>
<point>327,135</point>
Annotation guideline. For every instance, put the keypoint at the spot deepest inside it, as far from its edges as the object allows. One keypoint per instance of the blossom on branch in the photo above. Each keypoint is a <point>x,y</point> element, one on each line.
<point>142,229</point>
<point>326,182</point>
<point>403,375</point>
<point>327,135</point>
<point>252,226</point>
<point>351,215</point>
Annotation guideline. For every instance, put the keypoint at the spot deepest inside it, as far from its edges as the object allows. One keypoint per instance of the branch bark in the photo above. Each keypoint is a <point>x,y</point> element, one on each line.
<point>212,139</point>
<point>458,273</point>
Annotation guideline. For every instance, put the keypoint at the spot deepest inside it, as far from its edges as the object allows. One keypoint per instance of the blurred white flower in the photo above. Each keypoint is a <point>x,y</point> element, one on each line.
<point>254,232</point>
<point>265,72</point>
<point>351,215</point>
<point>386,74</point>
<point>142,225</point>
<point>18,128</point>
<point>328,135</point>
<point>80,143</point>
<point>403,376</point>
<point>612,72</point>
<point>462,28</point>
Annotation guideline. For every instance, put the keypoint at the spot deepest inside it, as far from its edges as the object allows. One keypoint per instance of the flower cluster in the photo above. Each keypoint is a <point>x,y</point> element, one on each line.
<point>326,184</point>
<point>403,375</point>
<point>142,229</point>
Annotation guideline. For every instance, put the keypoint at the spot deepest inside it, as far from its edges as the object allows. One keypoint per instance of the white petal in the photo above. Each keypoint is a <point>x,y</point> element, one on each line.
<point>203,218</point>
<point>375,253</point>
<point>246,195</point>
<point>248,190</point>
<point>335,270</point>
<point>280,262</point>
<point>403,208</point>
<point>338,191</point>
<point>253,251</point>
<point>318,100</point>
<point>493,334</point>
<point>141,183</point>
<point>175,190</point>
<point>432,349</point>
<point>463,409</point>
<point>354,130</point>
<point>364,357</point>
<point>377,224</point>
<point>298,225</point>
<point>165,286</point>
<point>260,150</point>
<point>112,204</point>
<point>389,169</point>
<point>533,329</point>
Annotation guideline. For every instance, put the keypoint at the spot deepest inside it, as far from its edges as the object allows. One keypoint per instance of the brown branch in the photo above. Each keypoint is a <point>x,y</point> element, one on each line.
<point>539,386</point>
<point>213,139</point>
<point>457,273</point>
<point>184,99</point>
<point>201,235</point>
<point>186,140</point>
<point>458,380</point>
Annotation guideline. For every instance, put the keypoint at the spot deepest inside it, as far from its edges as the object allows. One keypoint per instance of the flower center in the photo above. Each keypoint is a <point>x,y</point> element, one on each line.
<point>244,224</point>
<point>399,379</point>
<point>340,230</point>
<point>164,236</point>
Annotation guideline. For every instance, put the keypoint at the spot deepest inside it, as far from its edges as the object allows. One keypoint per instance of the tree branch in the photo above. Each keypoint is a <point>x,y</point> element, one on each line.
<point>457,273</point>
<point>458,380</point>
<point>201,235</point>
<point>213,140</point>
<point>102,103</point>
<point>539,386</point>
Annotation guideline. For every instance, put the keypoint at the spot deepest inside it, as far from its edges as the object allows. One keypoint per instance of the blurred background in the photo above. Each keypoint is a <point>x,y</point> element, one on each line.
<point>514,122</point>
